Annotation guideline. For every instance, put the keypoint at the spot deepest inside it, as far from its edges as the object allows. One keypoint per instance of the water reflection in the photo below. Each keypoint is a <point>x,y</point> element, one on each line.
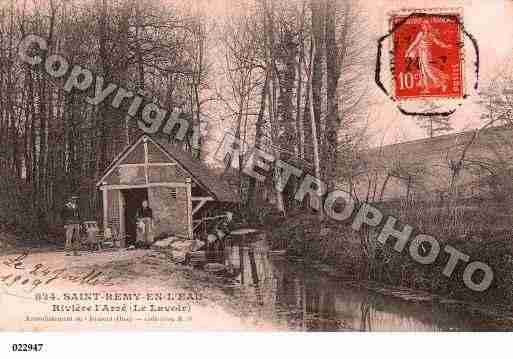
<point>294,297</point>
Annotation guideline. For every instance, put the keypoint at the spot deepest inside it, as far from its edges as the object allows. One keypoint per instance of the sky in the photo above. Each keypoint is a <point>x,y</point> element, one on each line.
<point>489,21</point>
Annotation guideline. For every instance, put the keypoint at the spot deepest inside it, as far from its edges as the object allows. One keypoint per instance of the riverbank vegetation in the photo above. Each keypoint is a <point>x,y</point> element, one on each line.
<point>477,229</point>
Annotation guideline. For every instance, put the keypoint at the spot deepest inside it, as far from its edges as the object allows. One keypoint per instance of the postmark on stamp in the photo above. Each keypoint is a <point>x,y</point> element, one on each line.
<point>427,61</point>
<point>427,56</point>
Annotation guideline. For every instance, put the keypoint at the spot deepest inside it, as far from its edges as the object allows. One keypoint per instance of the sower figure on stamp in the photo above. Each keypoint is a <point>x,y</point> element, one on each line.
<point>421,49</point>
<point>71,218</point>
<point>144,226</point>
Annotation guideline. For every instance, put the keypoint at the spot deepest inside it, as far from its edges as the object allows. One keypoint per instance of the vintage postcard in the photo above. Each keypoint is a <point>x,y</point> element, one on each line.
<point>256,165</point>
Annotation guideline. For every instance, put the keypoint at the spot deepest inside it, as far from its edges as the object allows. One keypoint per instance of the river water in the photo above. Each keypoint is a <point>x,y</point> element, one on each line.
<point>295,297</point>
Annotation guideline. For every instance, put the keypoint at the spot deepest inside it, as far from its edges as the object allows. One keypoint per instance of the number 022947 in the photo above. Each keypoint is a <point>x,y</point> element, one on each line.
<point>26,347</point>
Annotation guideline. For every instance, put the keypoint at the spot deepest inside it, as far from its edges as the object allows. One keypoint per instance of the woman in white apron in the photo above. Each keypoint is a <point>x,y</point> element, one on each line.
<point>144,226</point>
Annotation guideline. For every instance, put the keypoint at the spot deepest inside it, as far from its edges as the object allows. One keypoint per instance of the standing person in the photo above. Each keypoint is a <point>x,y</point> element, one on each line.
<point>71,217</point>
<point>144,226</point>
<point>224,226</point>
<point>216,240</point>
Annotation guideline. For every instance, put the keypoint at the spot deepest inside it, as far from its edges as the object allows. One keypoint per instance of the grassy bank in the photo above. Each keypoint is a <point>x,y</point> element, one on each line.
<point>478,230</point>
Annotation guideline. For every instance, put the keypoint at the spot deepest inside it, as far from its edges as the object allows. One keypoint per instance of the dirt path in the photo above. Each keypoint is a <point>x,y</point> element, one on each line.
<point>108,290</point>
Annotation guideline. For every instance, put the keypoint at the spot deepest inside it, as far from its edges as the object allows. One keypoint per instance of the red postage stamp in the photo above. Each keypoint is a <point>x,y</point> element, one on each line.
<point>427,56</point>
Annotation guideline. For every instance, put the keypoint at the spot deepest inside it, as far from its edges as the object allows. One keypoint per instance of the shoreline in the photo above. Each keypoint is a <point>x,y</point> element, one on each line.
<point>497,311</point>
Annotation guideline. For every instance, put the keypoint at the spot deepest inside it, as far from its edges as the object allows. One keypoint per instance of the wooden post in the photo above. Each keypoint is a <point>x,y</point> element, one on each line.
<point>252,262</point>
<point>145,139</point>
<point>105,208</point>
<point>188,183</point>
<point>241,262</point>
<point>254,274</point>
<point>122,229</point>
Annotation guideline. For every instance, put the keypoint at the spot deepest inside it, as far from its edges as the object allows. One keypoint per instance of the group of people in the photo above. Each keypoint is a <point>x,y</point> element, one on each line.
<point>214,241</point>
<point>73,225</point>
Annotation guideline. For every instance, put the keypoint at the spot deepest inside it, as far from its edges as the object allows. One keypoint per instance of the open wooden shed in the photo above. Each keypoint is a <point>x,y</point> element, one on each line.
<point>180,190</point>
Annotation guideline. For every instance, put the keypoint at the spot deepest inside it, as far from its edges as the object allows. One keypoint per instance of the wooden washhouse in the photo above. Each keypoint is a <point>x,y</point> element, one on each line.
<point>181,191</point>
